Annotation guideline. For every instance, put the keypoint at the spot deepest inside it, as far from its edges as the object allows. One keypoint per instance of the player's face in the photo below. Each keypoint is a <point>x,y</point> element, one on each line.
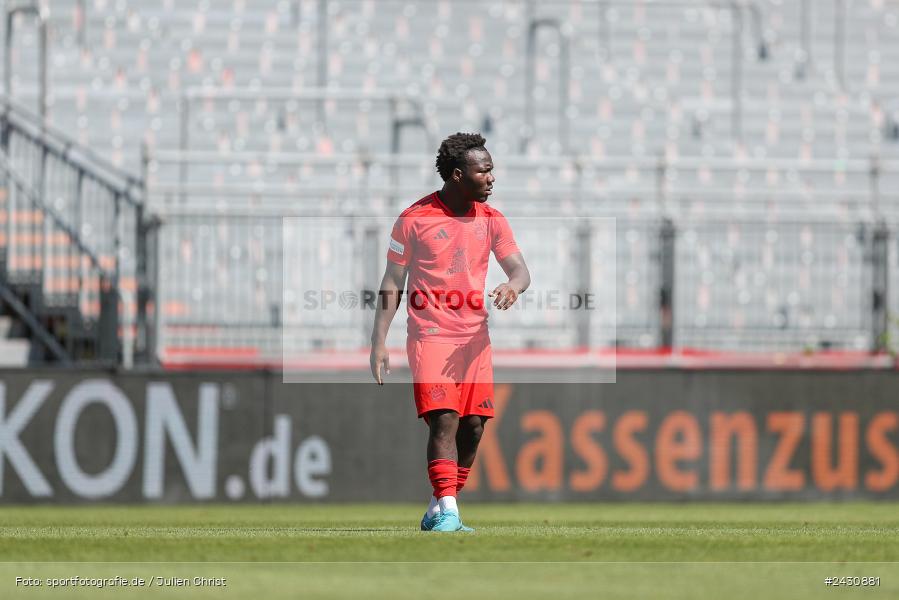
<point>477,178</point>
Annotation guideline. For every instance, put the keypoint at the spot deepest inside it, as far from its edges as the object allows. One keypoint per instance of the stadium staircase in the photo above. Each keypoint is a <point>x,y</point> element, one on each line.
<point>71,227</point>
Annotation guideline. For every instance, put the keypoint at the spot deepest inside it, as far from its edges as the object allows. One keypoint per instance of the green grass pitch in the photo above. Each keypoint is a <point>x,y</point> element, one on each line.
<point>689,550</point>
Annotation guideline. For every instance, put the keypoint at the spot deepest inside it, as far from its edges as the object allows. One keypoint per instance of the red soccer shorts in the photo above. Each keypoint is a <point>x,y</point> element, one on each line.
<point>457,377</point>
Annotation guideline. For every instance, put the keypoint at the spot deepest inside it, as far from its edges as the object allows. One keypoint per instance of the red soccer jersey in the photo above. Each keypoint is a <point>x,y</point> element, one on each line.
<point>447,257</point>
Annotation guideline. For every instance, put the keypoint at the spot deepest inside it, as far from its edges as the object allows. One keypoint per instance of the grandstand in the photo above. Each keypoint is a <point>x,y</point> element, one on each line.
<point>747,152</point>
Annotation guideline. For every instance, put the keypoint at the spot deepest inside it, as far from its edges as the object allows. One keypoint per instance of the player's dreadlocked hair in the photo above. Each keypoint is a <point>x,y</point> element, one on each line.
<point>453,149</point>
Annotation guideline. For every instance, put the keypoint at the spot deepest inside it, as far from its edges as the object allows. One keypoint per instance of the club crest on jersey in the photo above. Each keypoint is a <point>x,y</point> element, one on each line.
<point>459,264</point>
<point>480,230</point>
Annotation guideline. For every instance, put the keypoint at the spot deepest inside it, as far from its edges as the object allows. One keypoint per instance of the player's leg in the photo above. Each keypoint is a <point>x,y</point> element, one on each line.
<point>442,457</point>
<point>468,436</point>
<point>476,391</point>
<point>443,425</point>
<point>437,402</point>
<point>477,400</point>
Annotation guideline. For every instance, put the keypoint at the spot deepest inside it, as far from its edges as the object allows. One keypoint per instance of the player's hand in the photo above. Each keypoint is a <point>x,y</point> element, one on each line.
<point>504,296</point>
<point>379,359</point>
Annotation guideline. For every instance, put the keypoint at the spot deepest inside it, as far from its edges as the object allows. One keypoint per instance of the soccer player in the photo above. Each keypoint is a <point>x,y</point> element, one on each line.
<point>443,243</point>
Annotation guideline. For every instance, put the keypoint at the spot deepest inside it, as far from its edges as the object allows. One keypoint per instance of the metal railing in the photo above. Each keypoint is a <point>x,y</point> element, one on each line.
<point>219,283</point>
<point>73,230</point>
<point>9,32</point>
<point>718,284</point>
<point>667,251</point>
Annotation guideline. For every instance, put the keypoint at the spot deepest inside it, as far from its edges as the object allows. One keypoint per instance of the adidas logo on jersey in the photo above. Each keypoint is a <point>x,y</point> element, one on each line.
<point>486,403</point>
<point>441,235</point>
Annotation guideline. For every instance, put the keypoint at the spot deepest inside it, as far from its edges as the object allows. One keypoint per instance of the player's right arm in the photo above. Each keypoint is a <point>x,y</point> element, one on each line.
<point>388,302</point>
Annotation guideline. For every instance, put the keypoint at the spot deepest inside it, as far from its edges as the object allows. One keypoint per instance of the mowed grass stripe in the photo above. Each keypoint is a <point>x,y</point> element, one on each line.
<point>506,532</point>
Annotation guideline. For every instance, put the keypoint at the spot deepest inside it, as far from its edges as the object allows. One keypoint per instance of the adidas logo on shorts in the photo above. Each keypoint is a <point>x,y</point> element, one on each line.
<point>486,403</point>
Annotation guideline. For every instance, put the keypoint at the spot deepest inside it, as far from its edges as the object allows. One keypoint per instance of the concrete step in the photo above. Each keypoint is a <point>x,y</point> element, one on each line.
<point>14,352</point>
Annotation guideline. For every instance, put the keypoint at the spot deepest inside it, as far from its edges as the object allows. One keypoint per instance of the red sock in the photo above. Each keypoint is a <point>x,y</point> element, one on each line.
<point>442,473</point>
<point>461,478</point>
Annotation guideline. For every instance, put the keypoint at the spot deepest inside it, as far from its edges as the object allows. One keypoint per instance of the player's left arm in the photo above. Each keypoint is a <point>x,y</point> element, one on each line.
<point>505,294</point>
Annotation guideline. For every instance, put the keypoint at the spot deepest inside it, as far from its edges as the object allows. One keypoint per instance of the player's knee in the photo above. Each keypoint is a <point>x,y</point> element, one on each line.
<point>474,428</point>
<point>444,424</point>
